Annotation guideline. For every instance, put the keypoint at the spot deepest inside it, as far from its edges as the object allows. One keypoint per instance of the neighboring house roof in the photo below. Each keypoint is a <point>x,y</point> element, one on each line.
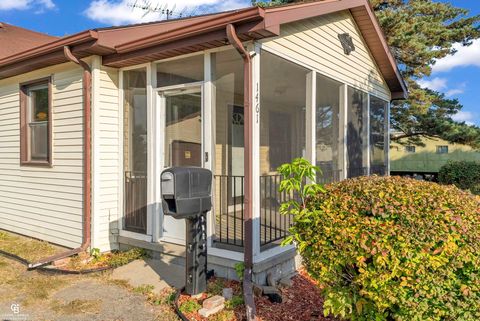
<point>135,44</point>
<point>15,39</point>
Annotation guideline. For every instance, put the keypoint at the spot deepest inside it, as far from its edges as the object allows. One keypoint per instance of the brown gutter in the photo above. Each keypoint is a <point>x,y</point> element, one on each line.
<point>248,158</point>
<point>51,47</point>
<point>87,80</point>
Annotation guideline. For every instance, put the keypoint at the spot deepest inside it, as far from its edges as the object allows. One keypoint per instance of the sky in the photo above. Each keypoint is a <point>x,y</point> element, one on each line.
<point>457,76</point>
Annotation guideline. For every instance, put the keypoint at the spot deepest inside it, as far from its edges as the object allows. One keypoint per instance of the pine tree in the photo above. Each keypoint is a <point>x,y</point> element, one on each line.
<point>419,32</point>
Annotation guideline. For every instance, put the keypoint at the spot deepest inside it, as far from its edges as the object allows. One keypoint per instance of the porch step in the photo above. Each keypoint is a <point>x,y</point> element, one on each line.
<point>166,252</point>
<point>151,272</point>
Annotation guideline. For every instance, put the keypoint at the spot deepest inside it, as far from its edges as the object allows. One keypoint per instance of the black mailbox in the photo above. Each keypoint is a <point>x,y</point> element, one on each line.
<point>186,191</point>
<point>187,194</point>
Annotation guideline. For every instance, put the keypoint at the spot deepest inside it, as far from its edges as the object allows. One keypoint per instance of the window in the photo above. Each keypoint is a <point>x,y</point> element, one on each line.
<point>410,149</point>
<point>135,121</point>
<point>180,71</point>
<point>327,128</point>
<point>442,149</point>
<point>35,119</point>
<point>227,73</point>
<point>378,124</point>
<point>357,133</point>
<point>282,112</point>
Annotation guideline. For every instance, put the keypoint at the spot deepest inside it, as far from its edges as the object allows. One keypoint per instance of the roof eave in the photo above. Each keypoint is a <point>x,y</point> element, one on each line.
<point>291,13</point>
<point>82,44</point>
<point>251,14</point>
<point>249,27</point>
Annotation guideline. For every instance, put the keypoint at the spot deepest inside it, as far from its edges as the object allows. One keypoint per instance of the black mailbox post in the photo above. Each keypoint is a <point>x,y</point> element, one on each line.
<point>187,194</point>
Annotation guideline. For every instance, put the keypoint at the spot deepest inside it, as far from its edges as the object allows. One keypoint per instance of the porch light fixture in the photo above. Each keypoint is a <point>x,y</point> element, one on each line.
<point>347,43</point>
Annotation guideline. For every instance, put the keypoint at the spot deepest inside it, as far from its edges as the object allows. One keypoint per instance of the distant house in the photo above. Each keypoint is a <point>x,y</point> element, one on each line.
<point>89,121</point>
<point>426,161</point>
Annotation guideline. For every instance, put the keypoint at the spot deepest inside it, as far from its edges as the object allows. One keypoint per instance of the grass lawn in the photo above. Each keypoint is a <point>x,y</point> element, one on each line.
<point>46,296</point>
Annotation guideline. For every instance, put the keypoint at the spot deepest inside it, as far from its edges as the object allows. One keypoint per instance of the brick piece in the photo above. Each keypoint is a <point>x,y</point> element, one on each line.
<point>213,302</point>
<point>205,313</point>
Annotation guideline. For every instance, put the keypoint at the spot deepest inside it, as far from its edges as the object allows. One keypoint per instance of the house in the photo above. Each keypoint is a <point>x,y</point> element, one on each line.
<point>89,121</point>
<point>425,160</point>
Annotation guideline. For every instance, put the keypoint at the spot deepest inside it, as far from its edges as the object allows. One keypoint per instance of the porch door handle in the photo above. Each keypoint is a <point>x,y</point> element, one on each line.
<point>206,157</point>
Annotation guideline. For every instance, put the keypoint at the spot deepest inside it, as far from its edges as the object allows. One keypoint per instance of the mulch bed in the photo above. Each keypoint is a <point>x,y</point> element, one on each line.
<point>301,302</point>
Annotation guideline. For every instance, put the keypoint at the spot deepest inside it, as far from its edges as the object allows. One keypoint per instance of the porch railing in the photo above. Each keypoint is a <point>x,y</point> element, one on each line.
<point>357,171</point>
<point>229,206</point>
<point>229,210</point>
<point>380,170</point>
<point>135,219</point>
<point>329,176</point>
<point>273,225</point>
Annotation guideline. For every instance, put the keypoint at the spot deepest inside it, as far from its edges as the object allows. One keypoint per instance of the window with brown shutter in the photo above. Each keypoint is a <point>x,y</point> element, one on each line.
<point>36,123</point>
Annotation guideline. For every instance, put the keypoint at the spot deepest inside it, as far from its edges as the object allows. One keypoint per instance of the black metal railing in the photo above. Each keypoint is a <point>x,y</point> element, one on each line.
<point>135,219</point>
<point>380,170</point>
<point>273,225</point>
<point>329,176</point>
<point>229,210</point>
<point>229,206</point>
<point>357,171</point>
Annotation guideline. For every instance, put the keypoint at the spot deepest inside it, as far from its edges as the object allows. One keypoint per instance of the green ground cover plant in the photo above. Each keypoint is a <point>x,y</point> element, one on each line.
<point>388,248</point>
<point>463,174</point>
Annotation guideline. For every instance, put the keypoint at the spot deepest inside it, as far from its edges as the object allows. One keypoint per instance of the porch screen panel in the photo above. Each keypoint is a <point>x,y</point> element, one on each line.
<point>282,136</point>
<point>327,129</point>
<point>227,74</point>
<point>180,71</point>
<point>378,124</point>
<point>357,148</point>
<point>135,149</point>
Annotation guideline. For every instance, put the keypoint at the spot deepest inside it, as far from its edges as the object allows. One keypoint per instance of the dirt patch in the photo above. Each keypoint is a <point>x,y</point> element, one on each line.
<point>76,307</point>
<point>41,296</point>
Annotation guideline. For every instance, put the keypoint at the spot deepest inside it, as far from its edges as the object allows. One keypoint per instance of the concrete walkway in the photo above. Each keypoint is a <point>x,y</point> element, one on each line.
<point>156,273</point>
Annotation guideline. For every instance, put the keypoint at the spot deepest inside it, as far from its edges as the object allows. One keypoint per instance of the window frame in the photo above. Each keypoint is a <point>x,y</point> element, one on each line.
<point>410,149</point>
<point>442,149</point>
<point>25,140</point>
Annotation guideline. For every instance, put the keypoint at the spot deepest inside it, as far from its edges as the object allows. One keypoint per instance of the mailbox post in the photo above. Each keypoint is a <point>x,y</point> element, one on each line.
<point>187,194</point>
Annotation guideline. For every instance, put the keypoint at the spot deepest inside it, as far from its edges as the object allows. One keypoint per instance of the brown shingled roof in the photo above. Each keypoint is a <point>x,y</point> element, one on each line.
<point>141,43</point>
<point>15,39</point>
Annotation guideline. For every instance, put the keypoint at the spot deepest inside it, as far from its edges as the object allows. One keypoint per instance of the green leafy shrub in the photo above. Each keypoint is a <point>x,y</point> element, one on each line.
<point>392,249</point>
<point>463,174</point>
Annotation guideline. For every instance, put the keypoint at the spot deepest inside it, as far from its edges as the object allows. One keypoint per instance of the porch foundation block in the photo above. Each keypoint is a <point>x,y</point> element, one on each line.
<point>283,265</point>
<point>280,266</point>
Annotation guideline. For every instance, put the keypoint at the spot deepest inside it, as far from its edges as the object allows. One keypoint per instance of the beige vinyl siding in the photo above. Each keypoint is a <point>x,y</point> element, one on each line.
<point>45,203</point>
<point>107,155</point>
<point>314,43</point>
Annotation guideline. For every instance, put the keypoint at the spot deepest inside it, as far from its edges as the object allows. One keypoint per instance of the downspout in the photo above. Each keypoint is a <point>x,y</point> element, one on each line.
<point>248,187</point>
<point>86,239</point>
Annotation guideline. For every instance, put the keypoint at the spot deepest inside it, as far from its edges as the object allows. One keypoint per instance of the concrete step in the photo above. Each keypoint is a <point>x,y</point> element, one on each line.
<point>167,252</point>
<point>151,272</point>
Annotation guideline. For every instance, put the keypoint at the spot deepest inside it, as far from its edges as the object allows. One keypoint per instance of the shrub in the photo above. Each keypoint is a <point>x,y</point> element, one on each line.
<point>463,174</point>
<point>392,249</point>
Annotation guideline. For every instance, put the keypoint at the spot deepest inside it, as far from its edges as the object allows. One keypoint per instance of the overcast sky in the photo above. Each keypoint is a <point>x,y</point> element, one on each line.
<point>457,76</point>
